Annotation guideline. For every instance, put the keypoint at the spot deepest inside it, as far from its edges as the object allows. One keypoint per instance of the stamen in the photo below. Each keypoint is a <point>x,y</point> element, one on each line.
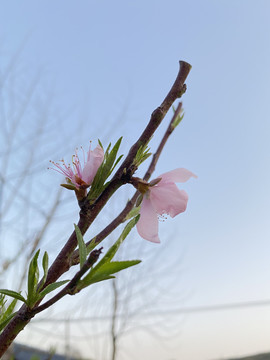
<point>162,217</point>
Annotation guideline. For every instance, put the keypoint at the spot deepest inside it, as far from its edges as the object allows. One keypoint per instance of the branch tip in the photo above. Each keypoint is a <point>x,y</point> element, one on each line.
<point>185,65</point>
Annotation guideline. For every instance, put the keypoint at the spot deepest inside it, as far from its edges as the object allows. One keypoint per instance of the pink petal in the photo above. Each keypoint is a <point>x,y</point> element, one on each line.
<point>94,160</point>
<point>177,175</point>
<point>147,225</point>
<point>168,199</point>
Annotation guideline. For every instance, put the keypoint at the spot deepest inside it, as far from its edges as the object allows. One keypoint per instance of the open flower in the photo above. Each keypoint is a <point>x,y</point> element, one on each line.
<point>78,174</point>
<point>163,197</point>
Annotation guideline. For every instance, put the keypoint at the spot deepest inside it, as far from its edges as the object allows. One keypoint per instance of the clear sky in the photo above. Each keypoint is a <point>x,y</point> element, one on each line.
<point>115,55</point>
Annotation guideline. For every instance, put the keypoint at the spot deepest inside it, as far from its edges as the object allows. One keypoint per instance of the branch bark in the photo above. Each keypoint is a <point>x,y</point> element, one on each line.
<point>130,204</point>
<point>114,317</point>
<point>88,212</point>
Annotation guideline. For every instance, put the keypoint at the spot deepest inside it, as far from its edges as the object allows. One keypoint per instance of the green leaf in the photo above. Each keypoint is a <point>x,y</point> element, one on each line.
<point>142,154</point>
<point>96,278</point>
<point>13,294</point>
<point>68,186</point>
<point>10,308</point>
<point>109,161</point>
<point>104,171</point>
<point>116,266</point>
<point>112,156</point>
<point>33,277</point>
<point>117,161</point>
<point>106,271</point>
<point>107,150</point>
<point>91,246</point>
<point>100,143</point>
<point>50,288</point>
<point>82,246</point>
<point>97,271</point>
<point>134,212</point>
<point>178,118</point>
<point>112,251</point>
<point>2,302</point>
<point>6,314</point>
<point>4,323</point>
<point>45,265</point>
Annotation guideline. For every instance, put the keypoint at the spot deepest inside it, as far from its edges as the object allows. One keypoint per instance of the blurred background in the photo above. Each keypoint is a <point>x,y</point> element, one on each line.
<point>71,72</point>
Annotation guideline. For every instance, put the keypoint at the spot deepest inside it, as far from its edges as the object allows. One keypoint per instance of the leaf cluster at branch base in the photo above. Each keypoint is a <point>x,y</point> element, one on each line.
<point>105,268</point>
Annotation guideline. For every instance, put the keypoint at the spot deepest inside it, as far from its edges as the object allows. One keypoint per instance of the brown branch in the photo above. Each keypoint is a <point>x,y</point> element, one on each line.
<point>89,212</point>
<point>70,288</point>
<point>176,91</point>
<point>114,317</point>
<point>168,132</point>
<point>158,115</point>
<point>74,260</point>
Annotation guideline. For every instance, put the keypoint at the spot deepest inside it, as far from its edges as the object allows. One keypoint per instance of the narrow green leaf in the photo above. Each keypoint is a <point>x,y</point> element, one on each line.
<point>2,301</point>
<point>101,277</point>
<point>106,271</point>
<point>142,154</point>
<point>117,161</point>
<point>177,121</point>
<point>178,118</point>
<point>100,143</point>
<point>94,279</point>
<point>82,246</point>
<point>10,308</point>
<point>50,288</point>
<point>13,294</point>
<point>45,265</point>
<point>33,277</point>
<point>68,186</point>
<point>104,171</point>
<point>91,246</point>
<point>107,150</point>
<point>4,323</point>
<point>106,167</point>
<point>146,156</point>
<point>116,266</point>
<point>111,158</point>
<point>134,212</point>
<point>112,251</point>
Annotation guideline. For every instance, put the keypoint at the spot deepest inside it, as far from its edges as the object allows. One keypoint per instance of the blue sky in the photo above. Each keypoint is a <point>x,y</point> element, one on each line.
<point>102,57</point>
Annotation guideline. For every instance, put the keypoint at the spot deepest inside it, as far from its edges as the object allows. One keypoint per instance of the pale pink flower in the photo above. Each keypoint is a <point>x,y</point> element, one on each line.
<point>82,175</point>
<point>162,198</point>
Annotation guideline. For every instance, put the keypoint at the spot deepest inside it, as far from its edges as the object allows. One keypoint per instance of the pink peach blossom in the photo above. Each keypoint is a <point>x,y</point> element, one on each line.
<point>162,198</point>
<point>82,175</point>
